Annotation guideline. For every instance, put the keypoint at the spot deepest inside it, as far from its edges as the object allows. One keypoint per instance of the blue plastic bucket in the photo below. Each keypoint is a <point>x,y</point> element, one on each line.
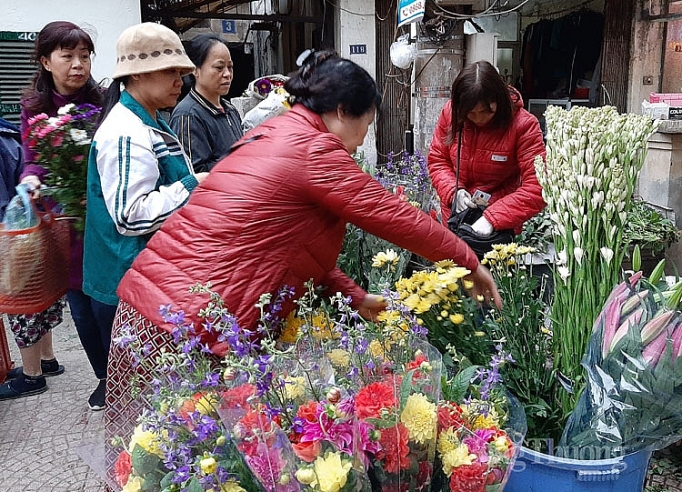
<point>540,472</point>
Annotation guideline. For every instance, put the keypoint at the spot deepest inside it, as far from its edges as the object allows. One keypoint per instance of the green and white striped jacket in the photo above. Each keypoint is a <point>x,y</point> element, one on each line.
<point>138,175</point>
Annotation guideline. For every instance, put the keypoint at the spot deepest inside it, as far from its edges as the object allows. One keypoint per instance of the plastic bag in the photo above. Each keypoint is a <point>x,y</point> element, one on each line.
<point>20,213</point>
<point>402,53</point>
<point>261,87</point>
<point>633,395</point>
<point>275,104</point>
<point>34,257</point>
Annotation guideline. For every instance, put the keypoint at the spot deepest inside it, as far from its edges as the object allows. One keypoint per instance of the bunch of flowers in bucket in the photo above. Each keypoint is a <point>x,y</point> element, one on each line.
<point>480,430</point>
<point>295,428</point>
<point>394,375</point>
<point>179,442</point>
<point>436,298</point>
<point>633,396</point>
<point>62,145</point>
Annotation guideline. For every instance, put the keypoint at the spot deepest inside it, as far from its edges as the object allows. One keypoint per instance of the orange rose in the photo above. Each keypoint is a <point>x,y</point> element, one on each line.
<point>308,451</point>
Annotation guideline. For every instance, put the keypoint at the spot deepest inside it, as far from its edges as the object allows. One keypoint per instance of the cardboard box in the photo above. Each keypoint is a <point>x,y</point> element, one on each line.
<point>675,113</point>
<point>674,98</point>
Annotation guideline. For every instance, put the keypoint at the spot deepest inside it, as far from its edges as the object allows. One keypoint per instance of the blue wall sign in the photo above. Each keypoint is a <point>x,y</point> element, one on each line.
<point>358,49</point>
<point>410,11</point>
<point>229,27</point>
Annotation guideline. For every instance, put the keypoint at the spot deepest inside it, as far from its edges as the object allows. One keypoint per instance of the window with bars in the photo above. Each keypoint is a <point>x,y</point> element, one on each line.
<point>16,70</point>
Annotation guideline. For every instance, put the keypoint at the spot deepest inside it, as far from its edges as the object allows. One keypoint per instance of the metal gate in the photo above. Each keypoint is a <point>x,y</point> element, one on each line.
<point>16,70</point>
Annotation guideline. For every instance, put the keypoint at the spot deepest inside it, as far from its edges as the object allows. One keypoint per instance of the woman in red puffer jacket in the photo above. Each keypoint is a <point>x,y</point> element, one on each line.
<point>497,142</point>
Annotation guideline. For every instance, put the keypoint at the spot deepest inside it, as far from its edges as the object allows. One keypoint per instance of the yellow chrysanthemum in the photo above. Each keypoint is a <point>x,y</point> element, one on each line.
<point>148,440</point>
<point>331,472</point>
<point>501,444</point>
<point>207,404</point>
<point>456,318</point>
<point>388,316</point>
<point>419,417</point>
<point>481,416</point>
<point>294,387</point>
<point>444,264</point>
<point>339,358</point>
<point>456,458</point>
<point>134,484</point>
<point>208,465</point>
<point>322,328</point>
<point>376,348</point>
<point>447,441</point>
<point>383,258</point>
<point>292,329</point>
<point>231,486</point>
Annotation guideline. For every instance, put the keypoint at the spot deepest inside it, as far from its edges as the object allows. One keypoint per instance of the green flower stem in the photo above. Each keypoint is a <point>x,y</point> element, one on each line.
<point>593,159</point>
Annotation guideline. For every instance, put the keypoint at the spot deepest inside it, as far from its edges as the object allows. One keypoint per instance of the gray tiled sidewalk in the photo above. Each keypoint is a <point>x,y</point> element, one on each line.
<point>39,435</point>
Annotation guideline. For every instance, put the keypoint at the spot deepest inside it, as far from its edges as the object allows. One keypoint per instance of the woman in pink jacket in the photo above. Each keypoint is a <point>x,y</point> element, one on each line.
<point>496,141</point>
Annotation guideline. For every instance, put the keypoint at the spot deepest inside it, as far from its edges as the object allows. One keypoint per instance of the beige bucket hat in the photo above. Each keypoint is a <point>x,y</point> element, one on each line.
<point>149,47</point>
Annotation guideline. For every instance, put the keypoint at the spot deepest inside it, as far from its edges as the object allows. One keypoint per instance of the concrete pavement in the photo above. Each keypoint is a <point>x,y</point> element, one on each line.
<point>39,435</point>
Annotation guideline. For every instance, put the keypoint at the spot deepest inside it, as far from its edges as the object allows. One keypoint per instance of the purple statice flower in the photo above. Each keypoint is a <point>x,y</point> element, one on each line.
<point>490,377</point>
<point>181,475</point>
<point>211,380</point>
<point>203,427</point>
<point>264,384</point>
<point>127,337</point>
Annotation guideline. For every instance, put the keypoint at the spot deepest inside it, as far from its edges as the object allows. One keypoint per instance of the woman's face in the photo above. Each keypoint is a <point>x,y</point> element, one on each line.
<point>70,68</point>
<point>214,76</point>
<point>352,129</point>
<point>158,90</point>
<point>481,115</point>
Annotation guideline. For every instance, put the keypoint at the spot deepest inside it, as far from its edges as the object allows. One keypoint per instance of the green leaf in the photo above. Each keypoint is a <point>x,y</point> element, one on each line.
<point>144,463</point>
<point>636,258</point>
<point>194,486</point>
<point>456,389</point>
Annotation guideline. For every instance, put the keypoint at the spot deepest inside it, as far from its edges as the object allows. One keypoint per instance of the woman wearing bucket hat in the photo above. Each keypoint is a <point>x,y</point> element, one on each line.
<point>137,172</point>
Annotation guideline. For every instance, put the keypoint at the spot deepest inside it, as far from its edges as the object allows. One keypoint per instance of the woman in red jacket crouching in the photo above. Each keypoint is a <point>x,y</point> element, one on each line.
<point>483,150</point>
<point>274,213</point>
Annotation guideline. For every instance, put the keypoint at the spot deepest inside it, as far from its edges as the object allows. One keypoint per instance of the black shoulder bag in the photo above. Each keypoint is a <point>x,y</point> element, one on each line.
<point>460,223</point>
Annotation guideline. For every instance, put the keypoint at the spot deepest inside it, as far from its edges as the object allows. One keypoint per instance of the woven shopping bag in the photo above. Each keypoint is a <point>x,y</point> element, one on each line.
<point>34,265</point>
<point>5,360</point>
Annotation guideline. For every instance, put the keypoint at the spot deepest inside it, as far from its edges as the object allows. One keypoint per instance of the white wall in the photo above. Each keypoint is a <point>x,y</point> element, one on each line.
<point>104,20</point>
<point>355,26</point>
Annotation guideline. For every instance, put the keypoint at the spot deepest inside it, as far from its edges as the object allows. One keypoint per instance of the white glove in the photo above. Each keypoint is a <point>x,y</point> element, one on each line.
<point>482,227</point>
<point>463,200</point>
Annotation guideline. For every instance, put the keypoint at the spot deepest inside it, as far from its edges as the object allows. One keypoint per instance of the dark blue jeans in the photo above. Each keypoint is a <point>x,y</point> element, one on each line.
<point>93,321</point>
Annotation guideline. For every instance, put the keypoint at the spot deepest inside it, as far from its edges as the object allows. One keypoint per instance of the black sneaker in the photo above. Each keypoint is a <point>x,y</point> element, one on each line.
<point>48,367</point>
<point>96,400</point>
<point>22,386</point>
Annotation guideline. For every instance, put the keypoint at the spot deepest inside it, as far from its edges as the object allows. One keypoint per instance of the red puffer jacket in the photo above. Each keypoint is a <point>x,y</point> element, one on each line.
<point>274,213</point>
<point>496,161</point>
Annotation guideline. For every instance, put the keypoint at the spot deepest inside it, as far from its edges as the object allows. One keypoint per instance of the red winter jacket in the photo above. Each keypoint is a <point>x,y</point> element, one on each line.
<point>274,213</point>
<point>496,161</point>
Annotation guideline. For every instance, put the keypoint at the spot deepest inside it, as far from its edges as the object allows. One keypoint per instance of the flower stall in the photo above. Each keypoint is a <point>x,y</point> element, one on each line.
<point>439,393</point>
